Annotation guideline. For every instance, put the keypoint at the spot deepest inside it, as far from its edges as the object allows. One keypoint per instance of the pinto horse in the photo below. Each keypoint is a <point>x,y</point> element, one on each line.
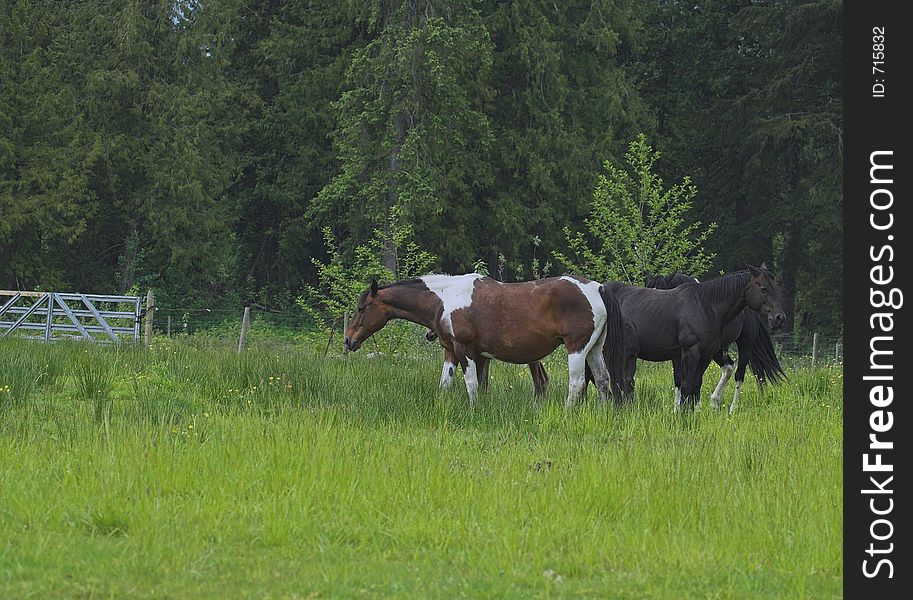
<point>540,377</point>
<point>686,324</point>
<point>477,318</point>
<point>620,358</point>
<point>750,334</point>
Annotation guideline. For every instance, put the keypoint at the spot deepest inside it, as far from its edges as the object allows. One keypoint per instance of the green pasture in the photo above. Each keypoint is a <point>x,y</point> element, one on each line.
<point>187,471</point>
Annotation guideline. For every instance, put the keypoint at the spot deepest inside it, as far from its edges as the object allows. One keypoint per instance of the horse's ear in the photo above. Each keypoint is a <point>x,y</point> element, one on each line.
<point>374,286</point>
<point>755,272</point>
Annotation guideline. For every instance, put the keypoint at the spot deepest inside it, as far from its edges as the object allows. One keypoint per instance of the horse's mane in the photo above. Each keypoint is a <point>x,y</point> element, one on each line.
<point>721,288</point>
<point>668,282</point>
<point>401,283</point>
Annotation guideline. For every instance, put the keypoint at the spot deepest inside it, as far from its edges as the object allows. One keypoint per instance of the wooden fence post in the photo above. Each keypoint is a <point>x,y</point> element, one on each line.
<point>168,330</point>
<point>837,351</point>
<point>150,311</point>
<point>345,322</point>
<point>245,325</point>
<point>814,350</point>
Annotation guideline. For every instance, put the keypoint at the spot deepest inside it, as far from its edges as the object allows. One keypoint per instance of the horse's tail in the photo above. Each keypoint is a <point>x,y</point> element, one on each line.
<point>614,349</point>
<point>763,362</point>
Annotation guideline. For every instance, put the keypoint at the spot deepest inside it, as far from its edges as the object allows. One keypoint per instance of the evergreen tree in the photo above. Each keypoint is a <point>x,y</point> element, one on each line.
<point>748,99</point>
<point>287,62</point>
<point>564,102</point>
<point>411,130</point>
<point>44,200</point>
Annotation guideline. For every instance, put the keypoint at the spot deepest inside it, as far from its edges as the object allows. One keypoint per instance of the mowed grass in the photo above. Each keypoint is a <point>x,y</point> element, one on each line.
<point>188,471</point>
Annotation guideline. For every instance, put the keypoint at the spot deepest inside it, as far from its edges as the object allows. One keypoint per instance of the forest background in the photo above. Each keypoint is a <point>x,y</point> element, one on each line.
<point>206,148</point>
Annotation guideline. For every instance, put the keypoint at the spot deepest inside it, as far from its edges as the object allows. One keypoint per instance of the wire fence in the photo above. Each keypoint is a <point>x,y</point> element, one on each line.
<point>170,321</point>
<point>271,327</point>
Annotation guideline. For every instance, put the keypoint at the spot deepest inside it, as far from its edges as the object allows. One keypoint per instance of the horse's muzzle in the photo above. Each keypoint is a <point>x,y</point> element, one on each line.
<point>352,345</point>
<point>776,320</point>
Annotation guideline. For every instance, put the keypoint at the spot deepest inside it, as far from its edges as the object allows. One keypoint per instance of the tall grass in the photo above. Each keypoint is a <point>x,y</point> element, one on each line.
<point>283,474</point>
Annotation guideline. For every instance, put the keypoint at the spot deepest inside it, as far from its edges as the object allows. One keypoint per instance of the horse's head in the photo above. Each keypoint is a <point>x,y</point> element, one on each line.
<point>764,296</point>
<point>370,316</point>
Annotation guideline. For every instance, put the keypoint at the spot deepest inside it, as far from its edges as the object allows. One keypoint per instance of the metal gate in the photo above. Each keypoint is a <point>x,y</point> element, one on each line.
<point>98,318</point>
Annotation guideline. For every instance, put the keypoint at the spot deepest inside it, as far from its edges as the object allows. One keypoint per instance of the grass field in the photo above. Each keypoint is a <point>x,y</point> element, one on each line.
<point>187,471</point>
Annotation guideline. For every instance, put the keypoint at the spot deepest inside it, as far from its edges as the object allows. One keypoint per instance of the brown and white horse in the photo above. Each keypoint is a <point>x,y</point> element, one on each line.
<point>477,318</point>
<point>540,377</point>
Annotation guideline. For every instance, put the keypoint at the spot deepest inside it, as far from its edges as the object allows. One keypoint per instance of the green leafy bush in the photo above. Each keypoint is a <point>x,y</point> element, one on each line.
<point>636,227</point>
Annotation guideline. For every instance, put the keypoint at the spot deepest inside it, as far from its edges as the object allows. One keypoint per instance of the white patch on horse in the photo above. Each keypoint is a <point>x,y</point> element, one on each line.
<point>576,361</point>
<point>471,378</point>
<point>447,375</point>
<point>721,386</point>
<point>590,291</point>
<point>735,397</point>
<point>455,292</point>
<point>576,368</point>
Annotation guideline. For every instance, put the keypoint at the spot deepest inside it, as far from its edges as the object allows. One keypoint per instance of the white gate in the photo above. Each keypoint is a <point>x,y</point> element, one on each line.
<point>99,318</point>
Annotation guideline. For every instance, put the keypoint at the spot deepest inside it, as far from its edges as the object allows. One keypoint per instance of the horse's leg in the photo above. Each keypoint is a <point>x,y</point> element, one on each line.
<point>450,363</point>
<point>470,371</point>
<point>744,358</point>
<point>596,362</point>
<point>540,377</point>
<point>698,379</point>
<point>677,373</point>
<point>630,374</point>
<point>726,366</point>
<point>576,383</point>
<point>483,365</point>
<point>691,390</point>
<point>735,396</point>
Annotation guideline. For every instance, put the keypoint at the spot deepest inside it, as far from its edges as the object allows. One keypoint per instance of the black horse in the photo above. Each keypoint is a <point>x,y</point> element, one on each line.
<point>686,324</point>
<point>748,331</point>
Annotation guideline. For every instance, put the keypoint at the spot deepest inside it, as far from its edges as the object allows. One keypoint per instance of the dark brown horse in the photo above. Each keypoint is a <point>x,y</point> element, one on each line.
<point>686,325</point>
<point>749,332</point>
<point>477,318</point>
